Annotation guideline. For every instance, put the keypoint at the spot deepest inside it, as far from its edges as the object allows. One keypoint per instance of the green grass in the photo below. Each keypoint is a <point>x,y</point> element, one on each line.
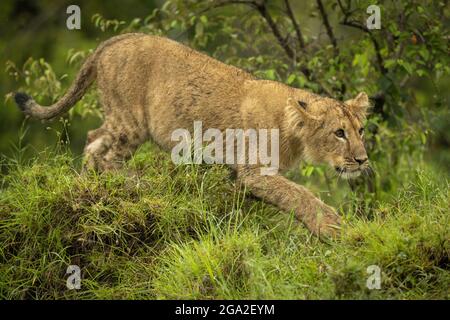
<point>188,232</point>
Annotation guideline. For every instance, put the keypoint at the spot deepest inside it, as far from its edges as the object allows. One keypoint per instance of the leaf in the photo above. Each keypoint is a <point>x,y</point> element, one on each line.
<point>199,29</point>
<point>204,19</point>
<point>422,72</point>
<point>389,63</point>
<point>424,53</point>
<point>406,65</point>
<point>423,138</point>
<point>307,171</point>
<point>301,81</point>
<point>291,79</point>
<point>270,74</point>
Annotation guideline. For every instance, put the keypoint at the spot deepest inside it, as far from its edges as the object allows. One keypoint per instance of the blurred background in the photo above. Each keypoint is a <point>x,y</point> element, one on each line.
<point>35,51</point>
<point>323,46</point>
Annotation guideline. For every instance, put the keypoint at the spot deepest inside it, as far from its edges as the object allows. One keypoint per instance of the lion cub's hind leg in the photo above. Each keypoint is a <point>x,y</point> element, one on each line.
<point>98,143</point>
<point>108,148</point>
<point>120,151</point>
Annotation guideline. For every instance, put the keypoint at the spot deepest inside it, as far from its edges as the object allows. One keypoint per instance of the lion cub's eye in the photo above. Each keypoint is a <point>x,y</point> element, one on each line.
<point>340,133</point>
<point>361,131</point>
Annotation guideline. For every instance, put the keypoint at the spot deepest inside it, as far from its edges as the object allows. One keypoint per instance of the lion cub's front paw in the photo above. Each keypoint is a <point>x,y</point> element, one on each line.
<point>326,223</point>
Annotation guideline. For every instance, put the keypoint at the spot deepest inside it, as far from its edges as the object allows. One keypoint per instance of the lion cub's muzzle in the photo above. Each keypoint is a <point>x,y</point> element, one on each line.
<point>353,170</point>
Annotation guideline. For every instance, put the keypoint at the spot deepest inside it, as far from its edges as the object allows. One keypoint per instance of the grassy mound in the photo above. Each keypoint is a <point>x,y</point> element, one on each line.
<point>188,232</point>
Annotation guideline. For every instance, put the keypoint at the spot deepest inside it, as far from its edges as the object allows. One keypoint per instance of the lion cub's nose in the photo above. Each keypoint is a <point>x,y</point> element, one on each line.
<point>361,160</point>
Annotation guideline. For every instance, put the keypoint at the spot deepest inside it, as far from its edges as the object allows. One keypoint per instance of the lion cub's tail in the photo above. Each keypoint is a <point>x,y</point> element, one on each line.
<point>78,88</point>
<point>83,80</point>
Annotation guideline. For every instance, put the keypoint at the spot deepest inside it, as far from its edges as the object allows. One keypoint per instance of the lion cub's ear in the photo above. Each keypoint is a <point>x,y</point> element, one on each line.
<point>300,107</point>
<point>359,104</point>
<point>296,113</point>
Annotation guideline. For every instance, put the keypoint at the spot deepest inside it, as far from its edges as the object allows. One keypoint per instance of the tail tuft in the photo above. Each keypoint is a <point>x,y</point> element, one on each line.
<point>21,100</point>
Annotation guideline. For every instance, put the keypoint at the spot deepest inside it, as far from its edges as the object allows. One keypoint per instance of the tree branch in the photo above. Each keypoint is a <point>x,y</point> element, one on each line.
<point>357,25</point>
<point>290,13</point>
<point>260,6</point>
<point>326,22</point>
<point>262,9</point>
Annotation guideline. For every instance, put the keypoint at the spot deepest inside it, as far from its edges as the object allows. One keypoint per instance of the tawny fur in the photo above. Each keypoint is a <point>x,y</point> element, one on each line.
<point>149,86</point>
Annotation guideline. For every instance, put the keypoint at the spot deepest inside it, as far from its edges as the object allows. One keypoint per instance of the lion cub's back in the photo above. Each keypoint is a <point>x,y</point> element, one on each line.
<point>169,85</point>
<point>161,59</point>
<point>190,86</point>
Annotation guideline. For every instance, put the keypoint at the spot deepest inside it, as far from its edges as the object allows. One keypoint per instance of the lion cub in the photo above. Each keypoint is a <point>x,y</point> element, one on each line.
<point>151,86</point>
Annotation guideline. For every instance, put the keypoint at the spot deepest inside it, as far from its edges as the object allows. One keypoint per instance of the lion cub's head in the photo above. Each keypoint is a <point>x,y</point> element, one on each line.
<point>331,131</point>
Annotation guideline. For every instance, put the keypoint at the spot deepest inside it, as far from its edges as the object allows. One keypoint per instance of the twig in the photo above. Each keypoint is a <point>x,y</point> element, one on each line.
<point>326,22</point>
<point>356,25</point>
<point>301,40</point>
<point>262,9</point>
